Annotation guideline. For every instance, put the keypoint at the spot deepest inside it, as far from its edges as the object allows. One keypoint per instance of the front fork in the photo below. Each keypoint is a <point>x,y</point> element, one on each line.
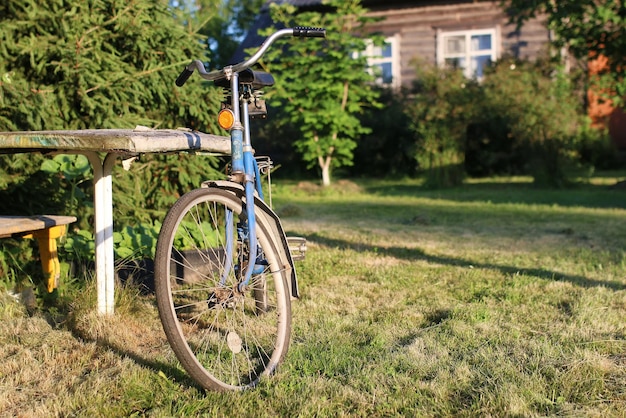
<point>244,169</point>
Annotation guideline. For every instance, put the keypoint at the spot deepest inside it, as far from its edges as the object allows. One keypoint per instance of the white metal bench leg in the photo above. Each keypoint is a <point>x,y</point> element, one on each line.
<point>103,214</point>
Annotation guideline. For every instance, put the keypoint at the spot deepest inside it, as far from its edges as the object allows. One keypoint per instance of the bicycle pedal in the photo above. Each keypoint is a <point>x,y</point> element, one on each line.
<point>297,248</point>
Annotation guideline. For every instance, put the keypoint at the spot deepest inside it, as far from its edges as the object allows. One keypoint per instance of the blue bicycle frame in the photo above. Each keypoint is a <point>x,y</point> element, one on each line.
<point>244,167</point>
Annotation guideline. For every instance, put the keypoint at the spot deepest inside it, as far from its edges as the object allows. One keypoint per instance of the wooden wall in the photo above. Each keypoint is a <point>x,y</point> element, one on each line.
<point>417,23</point>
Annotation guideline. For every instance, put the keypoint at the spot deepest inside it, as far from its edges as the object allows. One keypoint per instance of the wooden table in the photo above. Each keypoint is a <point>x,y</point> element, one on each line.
<point>102,147</point>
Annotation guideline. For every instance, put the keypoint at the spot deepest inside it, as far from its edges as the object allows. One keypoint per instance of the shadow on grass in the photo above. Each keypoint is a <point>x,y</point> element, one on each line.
<point>415,254</point>
<point>172,372</point>
<point>581,195</point>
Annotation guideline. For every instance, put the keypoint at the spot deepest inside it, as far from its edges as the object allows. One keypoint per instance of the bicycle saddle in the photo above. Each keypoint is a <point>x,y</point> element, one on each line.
<point>257,79</point>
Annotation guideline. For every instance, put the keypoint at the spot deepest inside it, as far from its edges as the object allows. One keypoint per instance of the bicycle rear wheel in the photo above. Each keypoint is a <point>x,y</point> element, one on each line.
<point>226,338</point>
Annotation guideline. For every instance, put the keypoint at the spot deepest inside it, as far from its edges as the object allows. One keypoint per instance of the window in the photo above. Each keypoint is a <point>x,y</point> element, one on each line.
<point>470,50</point>
<point>384,61</point>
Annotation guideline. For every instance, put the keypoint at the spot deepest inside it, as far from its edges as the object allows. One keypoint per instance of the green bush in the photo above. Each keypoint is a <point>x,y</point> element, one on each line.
<point>389,150</point>
<point>443,105</point>
<point>521,118</point>
<point>597,149</point>
<point>541,113</point>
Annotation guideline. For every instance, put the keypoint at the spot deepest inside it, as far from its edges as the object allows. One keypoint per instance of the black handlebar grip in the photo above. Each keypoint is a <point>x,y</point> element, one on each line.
<point>183,77</point>
<point>307,32</point>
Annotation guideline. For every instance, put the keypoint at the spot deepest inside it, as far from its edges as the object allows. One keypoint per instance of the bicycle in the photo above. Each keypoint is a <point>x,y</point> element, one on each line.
<point>224,271</point>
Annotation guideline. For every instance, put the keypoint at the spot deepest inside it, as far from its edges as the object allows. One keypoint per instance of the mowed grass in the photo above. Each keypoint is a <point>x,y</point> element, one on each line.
<point>492,299</point>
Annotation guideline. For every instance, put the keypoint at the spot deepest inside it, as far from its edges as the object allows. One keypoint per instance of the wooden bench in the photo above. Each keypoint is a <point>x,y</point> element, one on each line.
<point>46,229</point>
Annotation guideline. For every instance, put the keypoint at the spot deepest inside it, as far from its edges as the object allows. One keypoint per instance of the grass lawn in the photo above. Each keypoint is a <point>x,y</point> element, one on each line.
<point>493,299</point>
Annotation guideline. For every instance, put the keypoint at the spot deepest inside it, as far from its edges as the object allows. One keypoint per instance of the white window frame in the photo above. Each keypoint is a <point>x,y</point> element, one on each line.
<point>376,60</point>
<point>467,55</point>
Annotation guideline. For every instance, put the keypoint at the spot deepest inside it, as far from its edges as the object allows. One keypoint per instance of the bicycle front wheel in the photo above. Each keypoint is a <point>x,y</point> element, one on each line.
<point>225,336</point>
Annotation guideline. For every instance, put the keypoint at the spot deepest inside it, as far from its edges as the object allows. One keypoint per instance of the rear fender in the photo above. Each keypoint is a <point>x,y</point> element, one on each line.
<point>276,233</point>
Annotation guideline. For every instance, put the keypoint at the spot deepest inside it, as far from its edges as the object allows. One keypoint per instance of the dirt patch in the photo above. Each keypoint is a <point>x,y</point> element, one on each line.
<point>347,186</point>
<point>308,187</point>
<point>339,186</point>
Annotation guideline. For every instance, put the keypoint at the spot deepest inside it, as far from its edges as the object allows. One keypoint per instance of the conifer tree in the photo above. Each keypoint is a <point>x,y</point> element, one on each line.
<point>69,64</point>
<point>93,64</point>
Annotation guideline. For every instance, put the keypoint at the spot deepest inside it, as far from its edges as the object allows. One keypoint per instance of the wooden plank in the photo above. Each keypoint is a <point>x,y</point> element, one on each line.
<point>11,225</point>
<point>131,141</point>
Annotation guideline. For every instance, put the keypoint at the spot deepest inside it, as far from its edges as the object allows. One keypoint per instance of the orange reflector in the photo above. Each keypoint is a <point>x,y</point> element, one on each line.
<point>226,118</point>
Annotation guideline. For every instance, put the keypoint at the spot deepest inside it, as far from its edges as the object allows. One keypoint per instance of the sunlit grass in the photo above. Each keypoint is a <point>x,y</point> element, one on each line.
<point>495,298</point>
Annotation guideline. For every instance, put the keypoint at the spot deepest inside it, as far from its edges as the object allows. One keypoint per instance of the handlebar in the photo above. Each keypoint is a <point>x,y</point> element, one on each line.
<point>226,72</point>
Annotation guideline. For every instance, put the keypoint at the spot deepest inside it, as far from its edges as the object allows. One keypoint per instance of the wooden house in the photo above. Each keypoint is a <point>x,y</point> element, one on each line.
<point>468,34</point>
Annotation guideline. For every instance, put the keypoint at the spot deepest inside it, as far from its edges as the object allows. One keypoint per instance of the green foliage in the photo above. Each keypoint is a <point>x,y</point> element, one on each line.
<point>443,106</point>
<point>136,242</point>
<point>17,265</point>
<point>73,171</point>
<point>208,235</point>
<point>522,118</point>
<point>152,185</point>
<point>587,28</point>
<point>131,242</point>
<point>390,148</point>
<point>597,149</point>
<point>80,245</point>
<point>322,87</point>
<point>98,64</point>
<point>544,130</point>
<point>223,22</point>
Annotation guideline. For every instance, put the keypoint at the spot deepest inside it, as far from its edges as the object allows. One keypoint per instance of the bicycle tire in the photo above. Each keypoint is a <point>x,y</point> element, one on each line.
<point>223,338</point>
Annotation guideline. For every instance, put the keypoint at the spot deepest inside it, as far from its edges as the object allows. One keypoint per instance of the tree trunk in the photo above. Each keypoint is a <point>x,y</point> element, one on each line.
<point>324,163</point>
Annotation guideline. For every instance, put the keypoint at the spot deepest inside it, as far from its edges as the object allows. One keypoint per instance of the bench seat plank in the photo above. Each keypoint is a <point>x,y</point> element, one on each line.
<point>12,225</point>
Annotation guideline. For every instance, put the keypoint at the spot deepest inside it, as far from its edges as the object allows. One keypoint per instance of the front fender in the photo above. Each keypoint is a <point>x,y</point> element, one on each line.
<point>269,217</point>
